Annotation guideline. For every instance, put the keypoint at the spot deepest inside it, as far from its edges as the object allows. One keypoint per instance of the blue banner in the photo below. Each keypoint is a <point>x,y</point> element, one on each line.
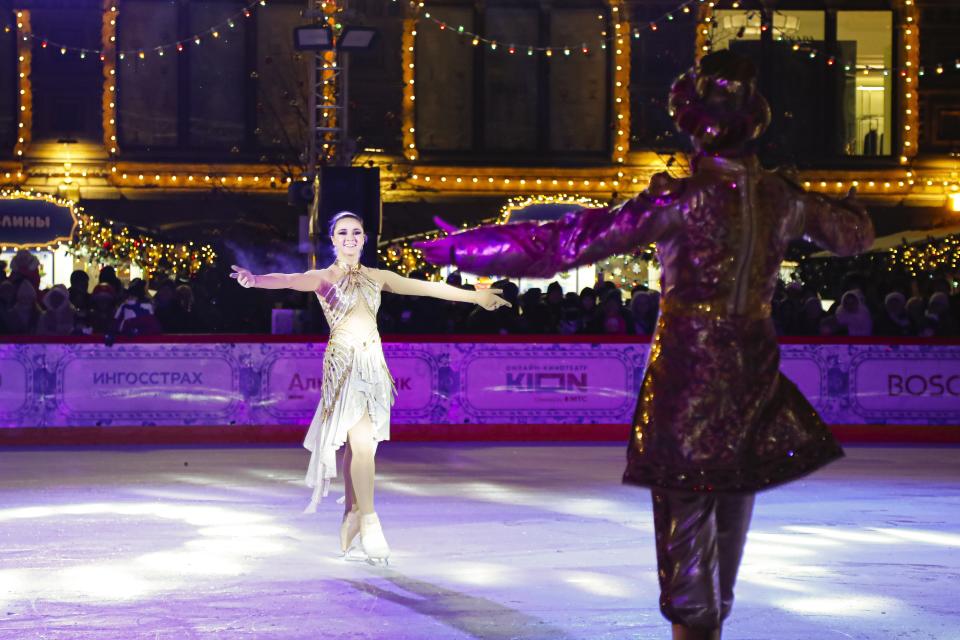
<point>35,222</point>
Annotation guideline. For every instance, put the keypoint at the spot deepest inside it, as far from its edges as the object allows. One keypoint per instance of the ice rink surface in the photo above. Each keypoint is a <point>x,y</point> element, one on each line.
<point>496,542</point>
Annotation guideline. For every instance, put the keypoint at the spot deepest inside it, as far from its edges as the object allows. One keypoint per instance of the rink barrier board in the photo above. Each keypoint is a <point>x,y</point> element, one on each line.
<point>292,435</point>
<point>449,387</point>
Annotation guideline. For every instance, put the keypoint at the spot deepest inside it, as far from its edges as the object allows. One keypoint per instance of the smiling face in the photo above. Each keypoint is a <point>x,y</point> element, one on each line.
<point>348,239</point>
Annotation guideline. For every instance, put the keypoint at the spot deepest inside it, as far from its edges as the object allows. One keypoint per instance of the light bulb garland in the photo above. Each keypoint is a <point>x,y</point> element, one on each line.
<point>910,78</point>
<point>408,118</point>
<point>630,269</point>
<point>703,39</point>
<point>928,257</point>
<point>151,175</point>
<point>621,84</point>
<point>106,245</point>
<point>25,88</point>
<point>704,9</point>
<point>110,9</point>
<point>604,40</point>
<point>519,203</point>
<point>607,181</point>
<point>102,243</point>
<point>600,181</point>
<point>331,86</point>
<point>108,57</point>
<point>402,258</point>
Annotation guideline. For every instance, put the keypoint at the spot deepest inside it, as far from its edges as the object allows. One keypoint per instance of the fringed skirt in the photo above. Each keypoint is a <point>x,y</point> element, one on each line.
<point>356,381</point>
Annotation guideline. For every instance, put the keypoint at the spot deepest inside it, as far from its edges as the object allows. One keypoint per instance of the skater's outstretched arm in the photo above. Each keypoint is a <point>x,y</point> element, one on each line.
<point>842,226</point>
<point>395,283</point>
<point>309,281</point>
<point>581,237</point>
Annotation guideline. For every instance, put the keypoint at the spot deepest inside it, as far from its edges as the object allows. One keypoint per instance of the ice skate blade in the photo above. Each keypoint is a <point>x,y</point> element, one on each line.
<point>354,554</point>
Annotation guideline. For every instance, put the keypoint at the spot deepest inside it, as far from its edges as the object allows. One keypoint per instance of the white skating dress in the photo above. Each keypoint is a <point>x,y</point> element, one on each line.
<point>355,378</point>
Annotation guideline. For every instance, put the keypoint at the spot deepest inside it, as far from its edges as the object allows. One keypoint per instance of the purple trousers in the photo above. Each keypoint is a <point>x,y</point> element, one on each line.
<point>700,540</point>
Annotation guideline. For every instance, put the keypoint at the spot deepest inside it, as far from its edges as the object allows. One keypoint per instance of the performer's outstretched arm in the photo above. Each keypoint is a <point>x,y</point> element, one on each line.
<point>395,283</point>
<point>581,237</point>
<point>842,226</point>
<point>309,281</point>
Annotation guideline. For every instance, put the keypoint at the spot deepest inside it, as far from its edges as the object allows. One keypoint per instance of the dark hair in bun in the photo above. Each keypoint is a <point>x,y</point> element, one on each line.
<point>340,216</point>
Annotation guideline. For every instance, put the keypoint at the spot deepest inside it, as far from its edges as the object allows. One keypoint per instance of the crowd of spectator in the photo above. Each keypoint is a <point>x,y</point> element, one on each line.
<point>204,304</point>
<point>211,303</point>
<point>602,309</point>
<point>889,306</point>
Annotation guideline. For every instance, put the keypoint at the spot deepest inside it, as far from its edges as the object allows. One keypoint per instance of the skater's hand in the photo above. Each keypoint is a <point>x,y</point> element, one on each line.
<point>489,300</point>
<point>243,277</point>
<point>852,202</point>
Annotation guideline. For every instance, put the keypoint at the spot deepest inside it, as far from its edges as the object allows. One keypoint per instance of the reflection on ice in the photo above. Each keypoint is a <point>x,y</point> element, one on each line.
<point>99,582</point>
<point>836,533</point>
<point>600,584</point>
<point>492,542</point>
<point>787,539</point>
<point>199,562</point>
<point>478,573</point>
<point>227,541</point>
<point>925,537</point>
<point>846,604</point>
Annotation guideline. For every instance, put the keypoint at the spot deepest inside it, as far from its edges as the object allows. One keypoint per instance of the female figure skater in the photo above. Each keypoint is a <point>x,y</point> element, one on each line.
<point>357,388</point>
<point>715,420</point>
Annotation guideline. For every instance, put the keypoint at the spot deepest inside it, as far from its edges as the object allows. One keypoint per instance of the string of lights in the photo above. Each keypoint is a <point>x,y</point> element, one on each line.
<point>926,257</point>
<point>106,245</point>
<point>806,48</point>
<point>605,38</point>
<point>25,88</point>
<point>600,181</point>
<point>213,32</point>
<point>103,243</point>
<point>109,94</point>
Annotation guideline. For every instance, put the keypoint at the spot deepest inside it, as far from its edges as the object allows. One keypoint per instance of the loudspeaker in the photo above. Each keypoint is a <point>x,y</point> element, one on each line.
<point>351,189</point>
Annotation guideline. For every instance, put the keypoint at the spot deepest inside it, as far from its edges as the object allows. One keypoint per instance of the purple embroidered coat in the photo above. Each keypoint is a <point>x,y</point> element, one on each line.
<point>714,411</point>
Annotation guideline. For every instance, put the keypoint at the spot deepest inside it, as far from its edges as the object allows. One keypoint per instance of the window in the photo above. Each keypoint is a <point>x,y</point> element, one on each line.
<point>148,88</point>
<point>947,129</point>
<point>203,98</point>
<point>865,41</point>
<point>827,77</point>
<point>217,84</point>
<point>66,88</point>
<point>282,91</point>
<point>480,98</point>
<point>656,61</point>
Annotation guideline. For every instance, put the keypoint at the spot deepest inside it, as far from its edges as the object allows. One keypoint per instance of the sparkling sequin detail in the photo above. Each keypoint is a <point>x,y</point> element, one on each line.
<point>356,380</point>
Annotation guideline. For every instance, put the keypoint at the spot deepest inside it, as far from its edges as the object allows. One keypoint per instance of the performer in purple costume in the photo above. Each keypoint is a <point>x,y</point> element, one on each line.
<point>715,420</point>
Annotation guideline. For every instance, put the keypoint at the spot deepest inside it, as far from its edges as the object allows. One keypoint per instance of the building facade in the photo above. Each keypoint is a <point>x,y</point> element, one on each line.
<point>192,117</point>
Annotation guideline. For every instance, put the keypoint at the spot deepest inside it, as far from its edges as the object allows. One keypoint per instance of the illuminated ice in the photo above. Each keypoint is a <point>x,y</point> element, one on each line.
<point>490,542</point>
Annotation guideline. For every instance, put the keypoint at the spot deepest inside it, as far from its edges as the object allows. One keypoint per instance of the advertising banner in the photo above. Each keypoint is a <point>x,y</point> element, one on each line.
<point>437,383</point>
